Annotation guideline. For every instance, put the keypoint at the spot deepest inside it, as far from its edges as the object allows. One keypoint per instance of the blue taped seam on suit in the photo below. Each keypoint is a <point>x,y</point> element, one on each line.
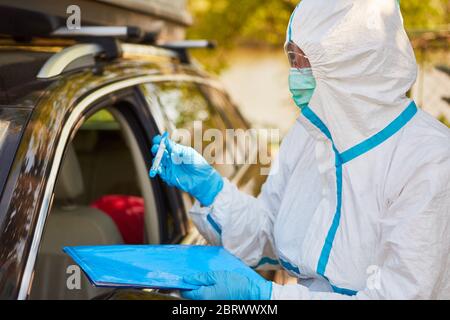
<point>315,120</point>
<point>346,292</point>
<point>342,158</point>
<point>290,267</point>
<point>380,137</point>
<point>326,249</point>
<point>214,224</point>
<point>267,260</point>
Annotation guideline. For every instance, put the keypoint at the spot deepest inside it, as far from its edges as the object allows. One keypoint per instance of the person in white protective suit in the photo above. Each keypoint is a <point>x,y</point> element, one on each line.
<point>359,207</point>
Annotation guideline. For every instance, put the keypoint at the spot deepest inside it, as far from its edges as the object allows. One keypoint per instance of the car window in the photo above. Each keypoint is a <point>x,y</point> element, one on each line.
<point>223,105</point>
<point>186,108</point>
<point>105,159</point>
<point>244,141</point>
<point>101,120</point>
<point>98,200</point>
<point>12,123</point>
<point>253,178</point>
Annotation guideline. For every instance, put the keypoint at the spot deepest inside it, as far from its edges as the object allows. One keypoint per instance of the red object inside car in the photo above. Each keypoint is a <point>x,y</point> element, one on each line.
<point>128,214</point>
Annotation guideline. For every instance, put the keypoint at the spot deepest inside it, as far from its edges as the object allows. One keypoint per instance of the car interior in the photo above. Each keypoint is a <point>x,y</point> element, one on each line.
<point>103,161</point>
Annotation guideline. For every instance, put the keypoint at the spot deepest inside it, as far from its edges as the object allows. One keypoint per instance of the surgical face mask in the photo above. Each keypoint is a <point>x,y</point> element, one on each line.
<point>301,84</point>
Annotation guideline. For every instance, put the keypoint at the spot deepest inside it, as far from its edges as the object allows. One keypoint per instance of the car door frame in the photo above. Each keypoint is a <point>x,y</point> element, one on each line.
<point>113,99</point>
<point>39,158</point>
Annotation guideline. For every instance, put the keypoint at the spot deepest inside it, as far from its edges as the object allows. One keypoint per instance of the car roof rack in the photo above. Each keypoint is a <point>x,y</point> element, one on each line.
<point>84,54</point>
<point>70,58</point>
<point>182,47</point>
<point>99,31</point>
<point>93,41</point>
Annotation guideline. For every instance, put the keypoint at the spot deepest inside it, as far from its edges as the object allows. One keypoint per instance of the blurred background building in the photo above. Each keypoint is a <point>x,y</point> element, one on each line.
<point>251,62</point>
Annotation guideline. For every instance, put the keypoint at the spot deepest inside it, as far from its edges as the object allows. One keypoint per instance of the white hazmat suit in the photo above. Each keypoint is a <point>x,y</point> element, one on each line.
<point>359,206</point>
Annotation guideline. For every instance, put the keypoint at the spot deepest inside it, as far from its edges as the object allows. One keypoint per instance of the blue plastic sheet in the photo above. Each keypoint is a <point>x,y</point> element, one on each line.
<point>153,266</point>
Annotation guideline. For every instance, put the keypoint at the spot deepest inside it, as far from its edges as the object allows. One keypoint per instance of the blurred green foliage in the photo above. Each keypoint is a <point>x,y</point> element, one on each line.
<point>231,21</point>
<point>263,22</point>
<point>444,120</point>
<point>102,120</point>
<point>425,14</point>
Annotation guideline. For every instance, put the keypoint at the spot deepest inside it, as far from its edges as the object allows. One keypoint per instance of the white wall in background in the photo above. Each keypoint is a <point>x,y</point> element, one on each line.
<point>258,83</point>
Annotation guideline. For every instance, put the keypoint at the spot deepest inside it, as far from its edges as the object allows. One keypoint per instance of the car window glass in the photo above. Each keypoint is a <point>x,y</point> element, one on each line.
<point>105,159</point>
<point>185,106</point>
<point>224,105</point>
<point>247,146</point>
<point>97,201</point>
<point>154,103</point>
<point>12,123</point>
<point>244,140</point>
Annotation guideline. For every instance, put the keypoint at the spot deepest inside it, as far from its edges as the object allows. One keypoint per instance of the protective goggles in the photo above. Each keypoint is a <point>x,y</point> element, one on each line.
<point>297,58</point>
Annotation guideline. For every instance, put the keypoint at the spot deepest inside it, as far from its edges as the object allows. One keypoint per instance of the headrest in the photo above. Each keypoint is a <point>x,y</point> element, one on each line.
<point>69,185</point>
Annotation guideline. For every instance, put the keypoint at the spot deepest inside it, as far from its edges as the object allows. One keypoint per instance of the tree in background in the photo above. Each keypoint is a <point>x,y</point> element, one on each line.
<point>263,23</point>
<point>426,14</point>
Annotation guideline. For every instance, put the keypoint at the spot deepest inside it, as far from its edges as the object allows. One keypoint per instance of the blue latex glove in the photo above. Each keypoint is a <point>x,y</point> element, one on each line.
<point>226,285</point>
<point>184,168</point>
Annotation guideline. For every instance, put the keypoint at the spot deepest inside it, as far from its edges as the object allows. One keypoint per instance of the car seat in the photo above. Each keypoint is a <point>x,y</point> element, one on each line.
<point>69,224</point>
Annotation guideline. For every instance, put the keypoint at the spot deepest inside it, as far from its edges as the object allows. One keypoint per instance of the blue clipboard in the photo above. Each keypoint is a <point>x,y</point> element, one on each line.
<point>153,266</point>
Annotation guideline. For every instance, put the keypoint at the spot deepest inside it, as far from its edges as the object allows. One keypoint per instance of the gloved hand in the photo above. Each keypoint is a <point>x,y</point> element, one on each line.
<point>184,168</point>
<point>225,285</point>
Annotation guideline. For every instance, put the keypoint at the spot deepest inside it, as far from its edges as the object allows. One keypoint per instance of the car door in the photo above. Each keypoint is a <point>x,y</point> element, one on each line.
<point>109,149</point>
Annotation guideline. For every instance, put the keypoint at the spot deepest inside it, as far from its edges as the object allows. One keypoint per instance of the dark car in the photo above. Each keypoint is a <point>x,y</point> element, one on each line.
<point>76,125</point>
